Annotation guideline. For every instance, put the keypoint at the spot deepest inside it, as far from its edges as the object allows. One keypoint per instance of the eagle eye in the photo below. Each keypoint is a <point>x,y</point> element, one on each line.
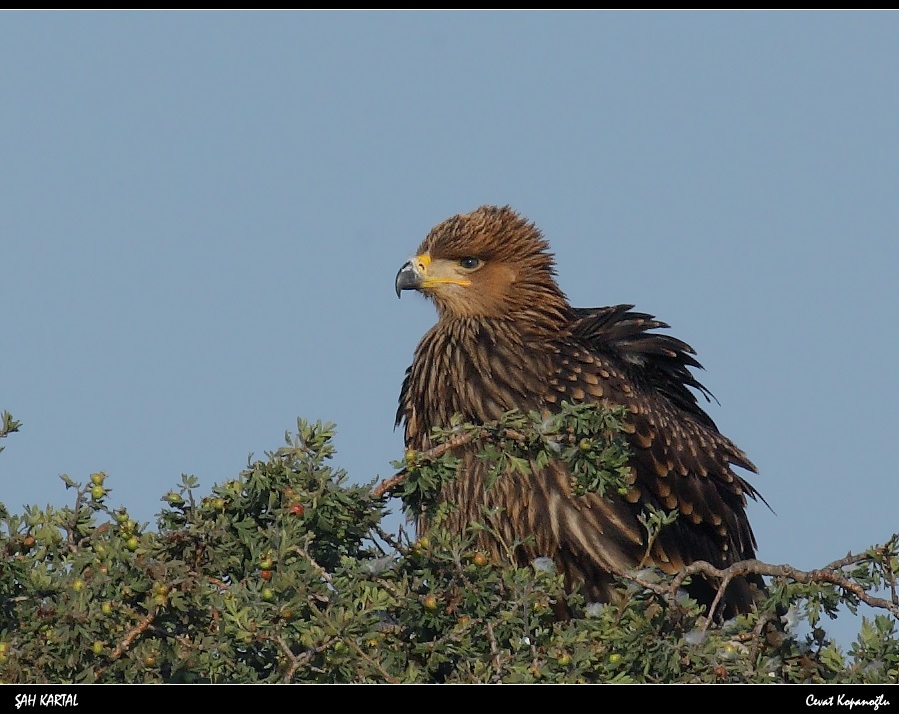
<point>470,263</point>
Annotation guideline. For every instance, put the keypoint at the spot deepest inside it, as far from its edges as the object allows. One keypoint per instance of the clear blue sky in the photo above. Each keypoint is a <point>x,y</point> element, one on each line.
<point>203,213</point>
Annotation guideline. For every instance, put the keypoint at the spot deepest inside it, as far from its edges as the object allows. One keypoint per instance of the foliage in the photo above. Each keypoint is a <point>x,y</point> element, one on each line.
<point>590,439</point>
<point>8,425</point>
<point>284,574</point>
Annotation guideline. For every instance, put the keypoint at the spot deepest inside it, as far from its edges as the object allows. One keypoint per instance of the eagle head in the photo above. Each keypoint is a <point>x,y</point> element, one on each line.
<point>490,263</point>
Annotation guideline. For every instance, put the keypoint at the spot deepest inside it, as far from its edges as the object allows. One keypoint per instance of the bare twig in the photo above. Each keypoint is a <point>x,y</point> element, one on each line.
<point>297,661</point>
<point>386,537</point>
<point>132,635</point>
<point>387,485</point>
<point>220,584</point>
<point>722,588</point>
<point>891,576</point>
<point>454,442</point>
<point>325,575</point>
<point>757,634</point>
<point>828,574</point>
<point>352,643</point>
<point>494,651</point>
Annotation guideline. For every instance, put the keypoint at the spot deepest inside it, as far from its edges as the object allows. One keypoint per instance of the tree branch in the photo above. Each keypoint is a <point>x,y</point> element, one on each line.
<point>454,442</point>
<point>828,574</point>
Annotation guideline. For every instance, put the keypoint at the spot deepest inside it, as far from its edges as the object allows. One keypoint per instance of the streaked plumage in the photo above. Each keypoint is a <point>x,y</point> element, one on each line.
<point>506,338</point>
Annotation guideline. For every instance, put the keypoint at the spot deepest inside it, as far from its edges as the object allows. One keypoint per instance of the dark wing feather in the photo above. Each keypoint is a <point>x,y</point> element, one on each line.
<point>663,360</point>
<point>681,460</point>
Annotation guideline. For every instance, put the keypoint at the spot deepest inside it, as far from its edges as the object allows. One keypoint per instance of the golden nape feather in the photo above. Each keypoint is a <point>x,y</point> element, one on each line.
<point>506,338</point>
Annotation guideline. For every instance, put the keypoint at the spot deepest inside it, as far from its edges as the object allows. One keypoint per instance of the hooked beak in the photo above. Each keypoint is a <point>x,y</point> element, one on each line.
<point>408,278</point>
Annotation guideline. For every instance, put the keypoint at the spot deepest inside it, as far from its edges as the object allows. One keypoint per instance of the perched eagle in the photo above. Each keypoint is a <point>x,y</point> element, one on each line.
<point>506,338</point>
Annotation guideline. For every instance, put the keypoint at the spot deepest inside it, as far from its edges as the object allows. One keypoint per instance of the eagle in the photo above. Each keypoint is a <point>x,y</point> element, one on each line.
<point>506,338</point>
